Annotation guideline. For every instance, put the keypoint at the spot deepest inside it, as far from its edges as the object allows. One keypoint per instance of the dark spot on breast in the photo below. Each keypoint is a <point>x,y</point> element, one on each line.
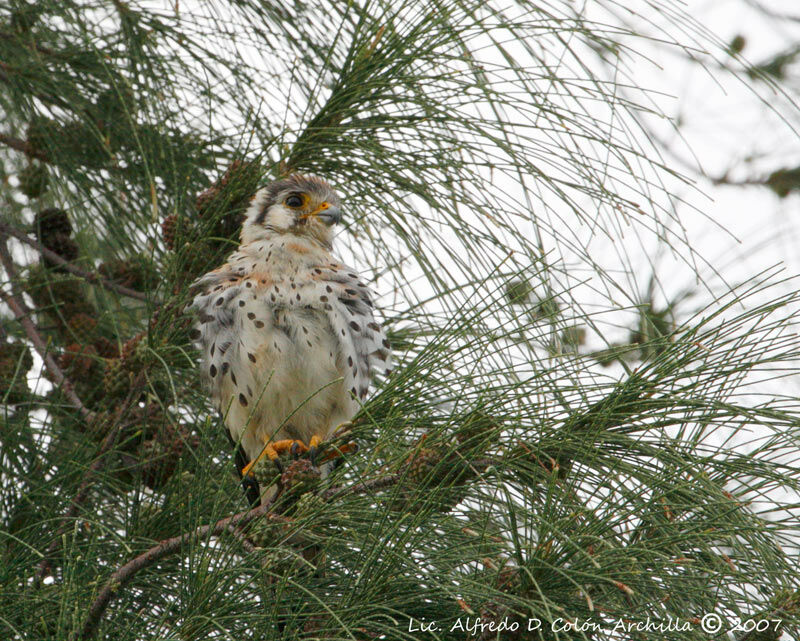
<point>205,318</point>
<point>328,307</point>
<point>353,391</point>
<point>259,324</point>
<point>220,300</point>
<point>324,299</point>
<point>252,357</point>
<point>276,289</point>
<point>232,280</point>
<point>241,303</point>
<point>328,289</point>
<point>374,327</point>
<point>194,334</point>
<point>309,343</point>
<point>351,292</point>
<point>272,297</point>
<point>225,367</point>
<point>298,296</point>
<point>317,270</point>
<point>233,378</point>
<point>212,370</point>
<point>352,275</point>
<point>249,391</point>
<point>387,372</point>
<point>251,315</point>
<point>355,326</point>
<point>350,361</point>
<point>386,343</point>
<point>217,288</point>
<point>305,331</point>
<point>248,284</point>
<point>294,286</point>
<point>243,400</point>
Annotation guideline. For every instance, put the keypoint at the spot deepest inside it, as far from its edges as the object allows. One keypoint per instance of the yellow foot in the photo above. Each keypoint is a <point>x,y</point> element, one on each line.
<point>272,449</point>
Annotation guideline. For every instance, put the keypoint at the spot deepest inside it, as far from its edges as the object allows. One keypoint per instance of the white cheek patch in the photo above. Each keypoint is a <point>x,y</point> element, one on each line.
<point>255,207</point>
<point>279,217</point>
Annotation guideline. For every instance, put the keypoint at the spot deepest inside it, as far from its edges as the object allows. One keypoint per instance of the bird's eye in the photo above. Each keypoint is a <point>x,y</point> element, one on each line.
<point>294,201</point>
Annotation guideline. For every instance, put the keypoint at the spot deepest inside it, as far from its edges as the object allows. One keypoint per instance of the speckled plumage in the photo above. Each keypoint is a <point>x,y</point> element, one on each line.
<point>287,332</point>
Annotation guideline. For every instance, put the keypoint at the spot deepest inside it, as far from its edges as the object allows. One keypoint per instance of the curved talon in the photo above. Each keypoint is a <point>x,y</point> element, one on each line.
<point>294,450</point>
<point>313,452</point>
<point>343,428</point>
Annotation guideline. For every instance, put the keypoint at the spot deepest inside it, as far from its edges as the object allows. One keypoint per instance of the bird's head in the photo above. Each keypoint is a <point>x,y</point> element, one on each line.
<point>300,205</point>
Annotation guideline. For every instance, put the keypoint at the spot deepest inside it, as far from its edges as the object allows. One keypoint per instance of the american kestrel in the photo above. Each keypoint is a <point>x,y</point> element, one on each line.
<point>287,332</point>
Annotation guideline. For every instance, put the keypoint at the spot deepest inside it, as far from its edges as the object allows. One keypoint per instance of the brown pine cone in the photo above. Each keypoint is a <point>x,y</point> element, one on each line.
<point>106,348</point>
<point>300,476</point>
<point>78,360</point>
<point>131,348</point>
<point>51,221</point>
<point>422,464</point>
<point>82,327</point>
<point>169,228</point>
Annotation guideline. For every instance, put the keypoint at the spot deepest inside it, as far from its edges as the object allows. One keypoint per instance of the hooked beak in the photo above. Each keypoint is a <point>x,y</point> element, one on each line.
<point>328,214</point>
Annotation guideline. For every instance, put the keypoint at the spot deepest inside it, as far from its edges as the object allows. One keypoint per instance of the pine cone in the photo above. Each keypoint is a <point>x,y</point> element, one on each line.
<point>82,326</point>
<point>78,360</point>
<point>422,464</point>
<point>62,245</point>
<point>106,348</point>
<point>33,180</point>
<point>130,349</point>
<point>51,221</point>
<point>53,230</point>
<point>116,380</point>
<point>301,476</point>
<point>169,228</point>
<point>57,294</point>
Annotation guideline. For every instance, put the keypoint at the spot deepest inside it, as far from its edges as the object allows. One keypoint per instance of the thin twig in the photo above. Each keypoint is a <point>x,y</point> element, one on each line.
<point>77,271</point>
<point>362,487</point>
<point>124,574</point>
<point>232,524</point>
<point>22,314</point>
<point>24,146</point>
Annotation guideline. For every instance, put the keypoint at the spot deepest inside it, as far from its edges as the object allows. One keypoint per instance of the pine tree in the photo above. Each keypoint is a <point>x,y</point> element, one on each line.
<point>559,451</point>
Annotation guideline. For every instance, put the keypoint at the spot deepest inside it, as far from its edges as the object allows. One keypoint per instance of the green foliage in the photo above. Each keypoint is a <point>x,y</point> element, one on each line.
<point>553,445</point>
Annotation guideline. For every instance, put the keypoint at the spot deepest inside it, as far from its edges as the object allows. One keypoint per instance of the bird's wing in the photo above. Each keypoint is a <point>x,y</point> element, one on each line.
<point>332,287</point>
<point>348,303</point>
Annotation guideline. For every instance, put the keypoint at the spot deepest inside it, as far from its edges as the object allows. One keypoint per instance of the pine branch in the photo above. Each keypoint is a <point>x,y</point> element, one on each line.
<point>22,314</point>
<point>77,271</point>
<point>24,146</point>
<point>165,548</point>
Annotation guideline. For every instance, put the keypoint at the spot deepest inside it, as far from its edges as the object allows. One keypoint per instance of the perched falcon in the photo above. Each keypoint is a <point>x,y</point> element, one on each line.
<point>286,331</point>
